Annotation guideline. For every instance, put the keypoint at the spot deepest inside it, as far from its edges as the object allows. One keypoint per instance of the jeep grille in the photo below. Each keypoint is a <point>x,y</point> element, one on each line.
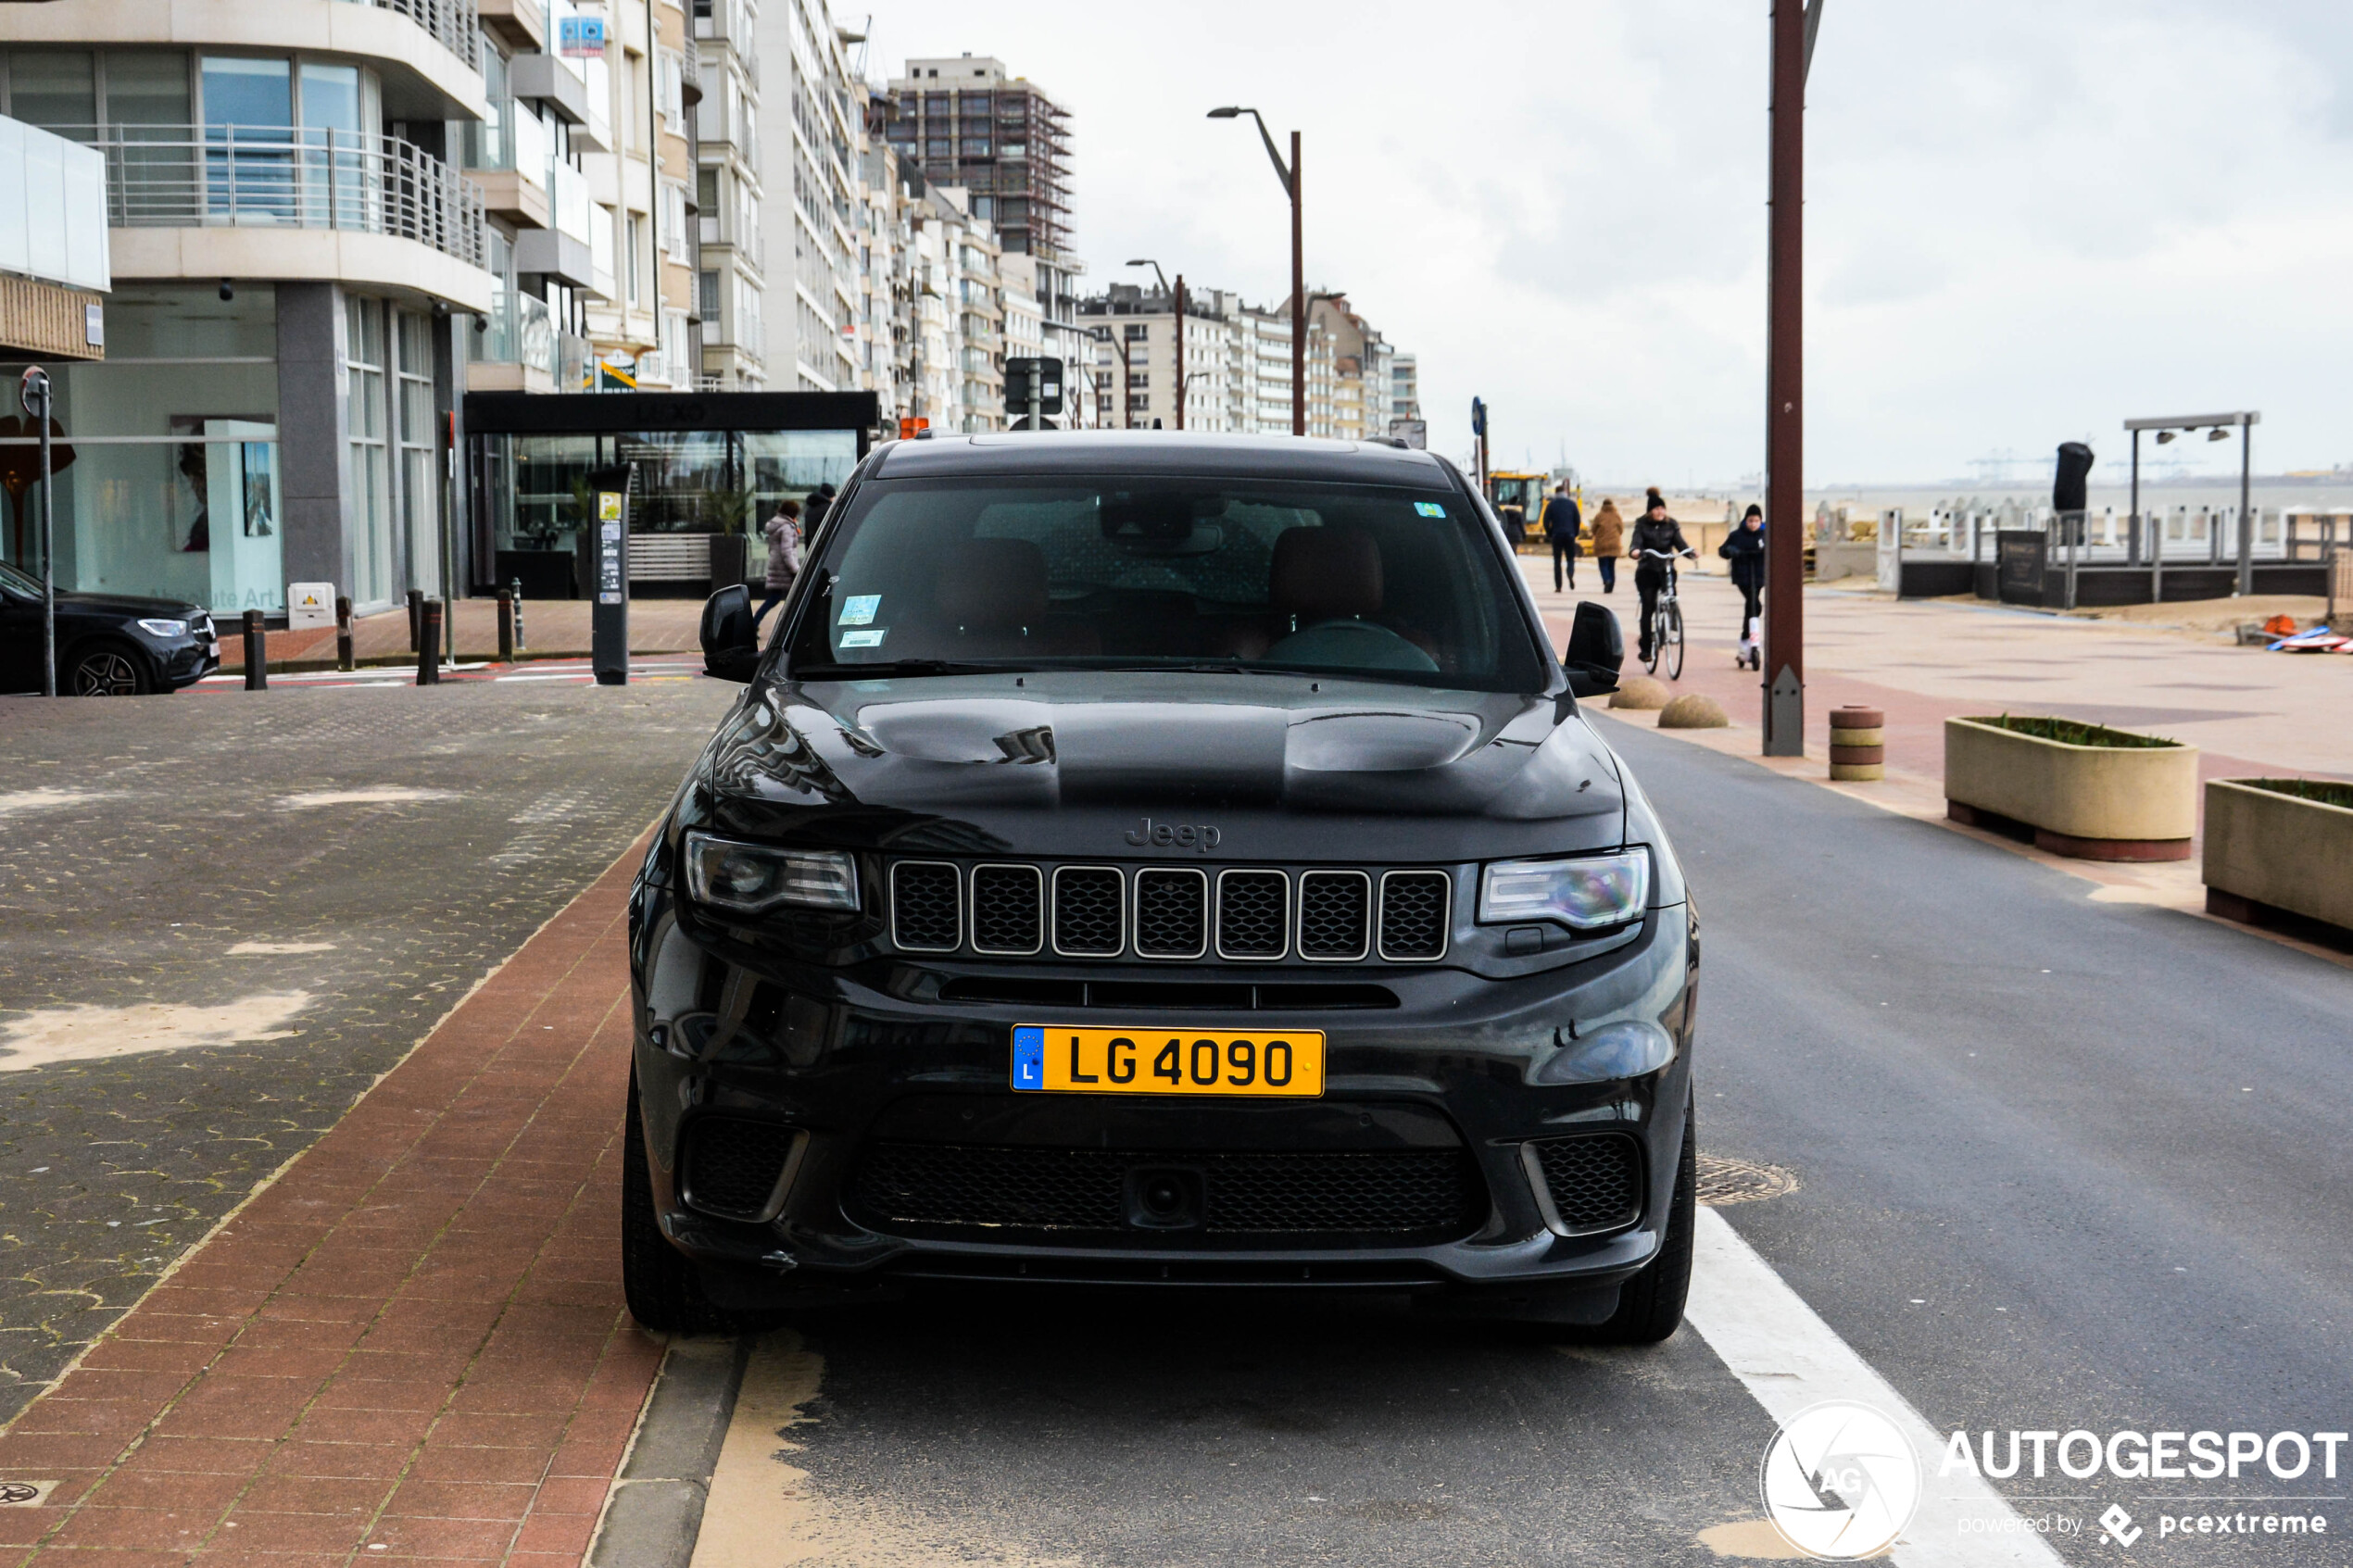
<point>1243,914</point>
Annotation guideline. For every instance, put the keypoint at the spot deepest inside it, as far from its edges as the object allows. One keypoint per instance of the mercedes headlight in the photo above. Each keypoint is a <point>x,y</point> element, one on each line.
<point>1584,894</point>
<point>750,878</point>
<point>164,627</point>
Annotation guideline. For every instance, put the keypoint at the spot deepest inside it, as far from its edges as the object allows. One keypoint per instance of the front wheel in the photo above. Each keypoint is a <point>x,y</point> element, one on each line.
<point>106,669</point>
<point>658,1281</point>
<point>1650,1306</point>
<point>1670,617</point>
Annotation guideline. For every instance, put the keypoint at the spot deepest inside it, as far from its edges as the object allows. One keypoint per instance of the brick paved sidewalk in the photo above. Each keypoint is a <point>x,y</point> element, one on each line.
<point>411,1346</point>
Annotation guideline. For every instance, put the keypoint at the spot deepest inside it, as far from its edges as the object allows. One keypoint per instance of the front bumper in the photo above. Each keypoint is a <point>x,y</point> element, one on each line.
<point>843,1061</point>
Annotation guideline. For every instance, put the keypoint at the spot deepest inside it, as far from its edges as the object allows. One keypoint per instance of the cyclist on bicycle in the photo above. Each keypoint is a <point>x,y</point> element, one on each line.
<point>1657,537</point>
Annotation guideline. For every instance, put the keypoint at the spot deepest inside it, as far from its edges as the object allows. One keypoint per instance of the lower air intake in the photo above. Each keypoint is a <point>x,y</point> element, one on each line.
<point>1399,1195</point>
<point>731,1168</point>
<point>1595,1182</point>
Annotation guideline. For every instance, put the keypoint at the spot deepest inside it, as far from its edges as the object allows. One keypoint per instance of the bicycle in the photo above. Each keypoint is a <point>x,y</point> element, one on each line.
<point>1666,622</point>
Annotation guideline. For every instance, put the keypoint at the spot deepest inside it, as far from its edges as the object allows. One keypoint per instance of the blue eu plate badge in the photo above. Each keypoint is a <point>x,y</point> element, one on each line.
<point>1029,1058</point>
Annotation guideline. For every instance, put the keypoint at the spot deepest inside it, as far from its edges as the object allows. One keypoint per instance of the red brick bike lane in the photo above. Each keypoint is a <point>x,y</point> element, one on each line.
<point>411,1346</point>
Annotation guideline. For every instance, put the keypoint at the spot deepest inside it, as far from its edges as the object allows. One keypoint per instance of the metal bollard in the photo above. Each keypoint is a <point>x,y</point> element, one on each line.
<point>257,653</point>
<point>429,642</point>
<point>344,657</point>
<point>517,593</point>
<point>505,627</point>
<point>416,619</point>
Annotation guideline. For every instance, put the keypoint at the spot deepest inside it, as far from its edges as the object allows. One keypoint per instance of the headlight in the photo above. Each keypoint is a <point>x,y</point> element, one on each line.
<point>164,627</point>
<point>748,878</point>
<point>1585,893</point>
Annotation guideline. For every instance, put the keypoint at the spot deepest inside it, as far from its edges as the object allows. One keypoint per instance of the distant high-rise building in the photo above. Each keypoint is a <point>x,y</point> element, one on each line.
<point>964,122</point>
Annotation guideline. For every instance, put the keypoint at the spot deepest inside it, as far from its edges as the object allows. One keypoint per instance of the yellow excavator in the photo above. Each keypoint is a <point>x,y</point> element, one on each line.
<point>1519,500</point>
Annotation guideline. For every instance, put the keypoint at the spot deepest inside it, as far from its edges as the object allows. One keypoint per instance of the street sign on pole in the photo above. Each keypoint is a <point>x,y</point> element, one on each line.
<point>1033,387</point>
<point>34,392</point>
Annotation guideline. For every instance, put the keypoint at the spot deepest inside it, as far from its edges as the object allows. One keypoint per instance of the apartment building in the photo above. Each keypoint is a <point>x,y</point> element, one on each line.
<point>730,197</point>
<point>1237,365</point>
<point>298,268</point>
<point>808,140</point>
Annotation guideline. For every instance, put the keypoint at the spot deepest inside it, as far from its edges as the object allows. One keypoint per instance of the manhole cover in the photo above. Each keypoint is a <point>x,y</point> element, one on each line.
<point>1723,1181</point>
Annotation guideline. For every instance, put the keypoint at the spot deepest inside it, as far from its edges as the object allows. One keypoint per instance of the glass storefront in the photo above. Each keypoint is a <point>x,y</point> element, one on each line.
<point>689,484</point>
<point>169,483</point>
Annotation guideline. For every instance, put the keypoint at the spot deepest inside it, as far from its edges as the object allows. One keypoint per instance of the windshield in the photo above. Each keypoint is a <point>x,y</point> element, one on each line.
<point>11,578</point>
<point>1393,583</point>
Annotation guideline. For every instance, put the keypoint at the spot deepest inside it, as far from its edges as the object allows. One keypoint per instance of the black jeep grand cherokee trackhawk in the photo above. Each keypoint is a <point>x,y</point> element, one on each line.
<point>1150,859</point>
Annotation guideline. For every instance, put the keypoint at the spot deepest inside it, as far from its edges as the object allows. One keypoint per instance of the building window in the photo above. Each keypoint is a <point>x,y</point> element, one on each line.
<point>708,302</point>
<point>634,228</point>
<point>373,560</point>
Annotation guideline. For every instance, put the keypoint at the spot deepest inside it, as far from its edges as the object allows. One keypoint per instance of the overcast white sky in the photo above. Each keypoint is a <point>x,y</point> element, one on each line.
<point>2026,218</point>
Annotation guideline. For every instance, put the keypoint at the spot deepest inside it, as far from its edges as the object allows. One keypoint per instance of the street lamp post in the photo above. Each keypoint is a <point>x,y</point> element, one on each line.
<point>1126,381</point>
<point>1178,298</point>
<point>1289,175</point>
<point>1783,666</point>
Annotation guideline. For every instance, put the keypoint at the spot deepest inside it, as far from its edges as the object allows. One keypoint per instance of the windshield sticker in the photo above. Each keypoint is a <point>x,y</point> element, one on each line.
<point>858,609</point>
<point>864,639</point>
<point>1429,508</point>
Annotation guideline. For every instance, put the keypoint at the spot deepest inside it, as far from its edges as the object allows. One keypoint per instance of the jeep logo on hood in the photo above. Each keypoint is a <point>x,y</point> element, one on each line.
<point>1166,835</point>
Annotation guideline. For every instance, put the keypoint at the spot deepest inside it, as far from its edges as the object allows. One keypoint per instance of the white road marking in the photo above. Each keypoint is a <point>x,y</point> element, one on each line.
<point>1788,1359</point>
<point>246,949</point>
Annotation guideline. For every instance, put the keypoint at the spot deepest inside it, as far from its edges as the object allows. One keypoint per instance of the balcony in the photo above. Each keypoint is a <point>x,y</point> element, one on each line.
<point>427,52</point>
<point>521,24</point>
<point>516,352</point>
<point>236,201</point>
<point>453,24</point>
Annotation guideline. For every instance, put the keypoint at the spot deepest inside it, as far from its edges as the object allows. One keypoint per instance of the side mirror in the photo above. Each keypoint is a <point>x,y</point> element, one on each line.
<point>1596,649</point>
<point>730,641</point>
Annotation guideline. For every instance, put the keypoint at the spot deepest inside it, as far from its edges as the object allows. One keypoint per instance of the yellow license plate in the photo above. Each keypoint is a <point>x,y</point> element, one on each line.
<point>1168,1061</point>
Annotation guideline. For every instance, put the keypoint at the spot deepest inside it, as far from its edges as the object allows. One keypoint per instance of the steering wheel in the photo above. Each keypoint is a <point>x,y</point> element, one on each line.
<point>1347,643</point>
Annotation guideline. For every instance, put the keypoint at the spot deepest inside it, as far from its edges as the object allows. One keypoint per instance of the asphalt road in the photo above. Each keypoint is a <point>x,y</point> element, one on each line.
<point>222,920</point>
<point>2065,1165</point>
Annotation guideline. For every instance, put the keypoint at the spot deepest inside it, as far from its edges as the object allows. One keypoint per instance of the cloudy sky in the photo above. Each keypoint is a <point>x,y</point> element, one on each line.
<point>2026,219</point>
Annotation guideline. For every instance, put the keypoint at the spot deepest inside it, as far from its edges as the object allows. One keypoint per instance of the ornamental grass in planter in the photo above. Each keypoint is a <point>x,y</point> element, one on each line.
<point>2280,844</point>
<point>2077,789</point>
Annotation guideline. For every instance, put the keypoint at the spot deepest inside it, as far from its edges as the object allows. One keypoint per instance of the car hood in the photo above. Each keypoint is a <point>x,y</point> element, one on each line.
<point>125,605</point>
<point>1077,764</point>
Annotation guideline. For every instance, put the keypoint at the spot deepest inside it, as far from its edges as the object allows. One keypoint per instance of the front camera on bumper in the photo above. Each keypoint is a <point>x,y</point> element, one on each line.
<point>750,878</point>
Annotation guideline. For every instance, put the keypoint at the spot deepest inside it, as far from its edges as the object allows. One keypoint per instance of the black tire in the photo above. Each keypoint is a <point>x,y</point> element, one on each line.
<point>106,668</point>
<point>664,1293</point>
<point>1650,1306</point>
<point>1672,614</point>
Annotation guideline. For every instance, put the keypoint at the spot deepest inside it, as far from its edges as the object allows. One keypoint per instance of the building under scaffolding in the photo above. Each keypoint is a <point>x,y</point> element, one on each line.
<point>964,121</point>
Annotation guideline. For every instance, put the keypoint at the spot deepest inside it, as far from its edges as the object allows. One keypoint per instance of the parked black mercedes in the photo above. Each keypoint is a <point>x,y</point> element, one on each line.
<point>108,645</point>
<point>1159,860</point>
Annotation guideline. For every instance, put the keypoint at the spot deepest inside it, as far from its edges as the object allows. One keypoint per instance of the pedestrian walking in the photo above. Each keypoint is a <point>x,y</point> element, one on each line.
<point>782,532</point>
<point>1655,534</point>
<point>1562,524</point>
<point>820,501</point>
<point>1744,547</point>
<point>1609,543</point>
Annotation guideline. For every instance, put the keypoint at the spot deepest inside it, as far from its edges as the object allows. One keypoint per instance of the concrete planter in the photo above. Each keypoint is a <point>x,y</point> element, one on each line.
<point>2092,802</point>
<point>2267,851</point>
